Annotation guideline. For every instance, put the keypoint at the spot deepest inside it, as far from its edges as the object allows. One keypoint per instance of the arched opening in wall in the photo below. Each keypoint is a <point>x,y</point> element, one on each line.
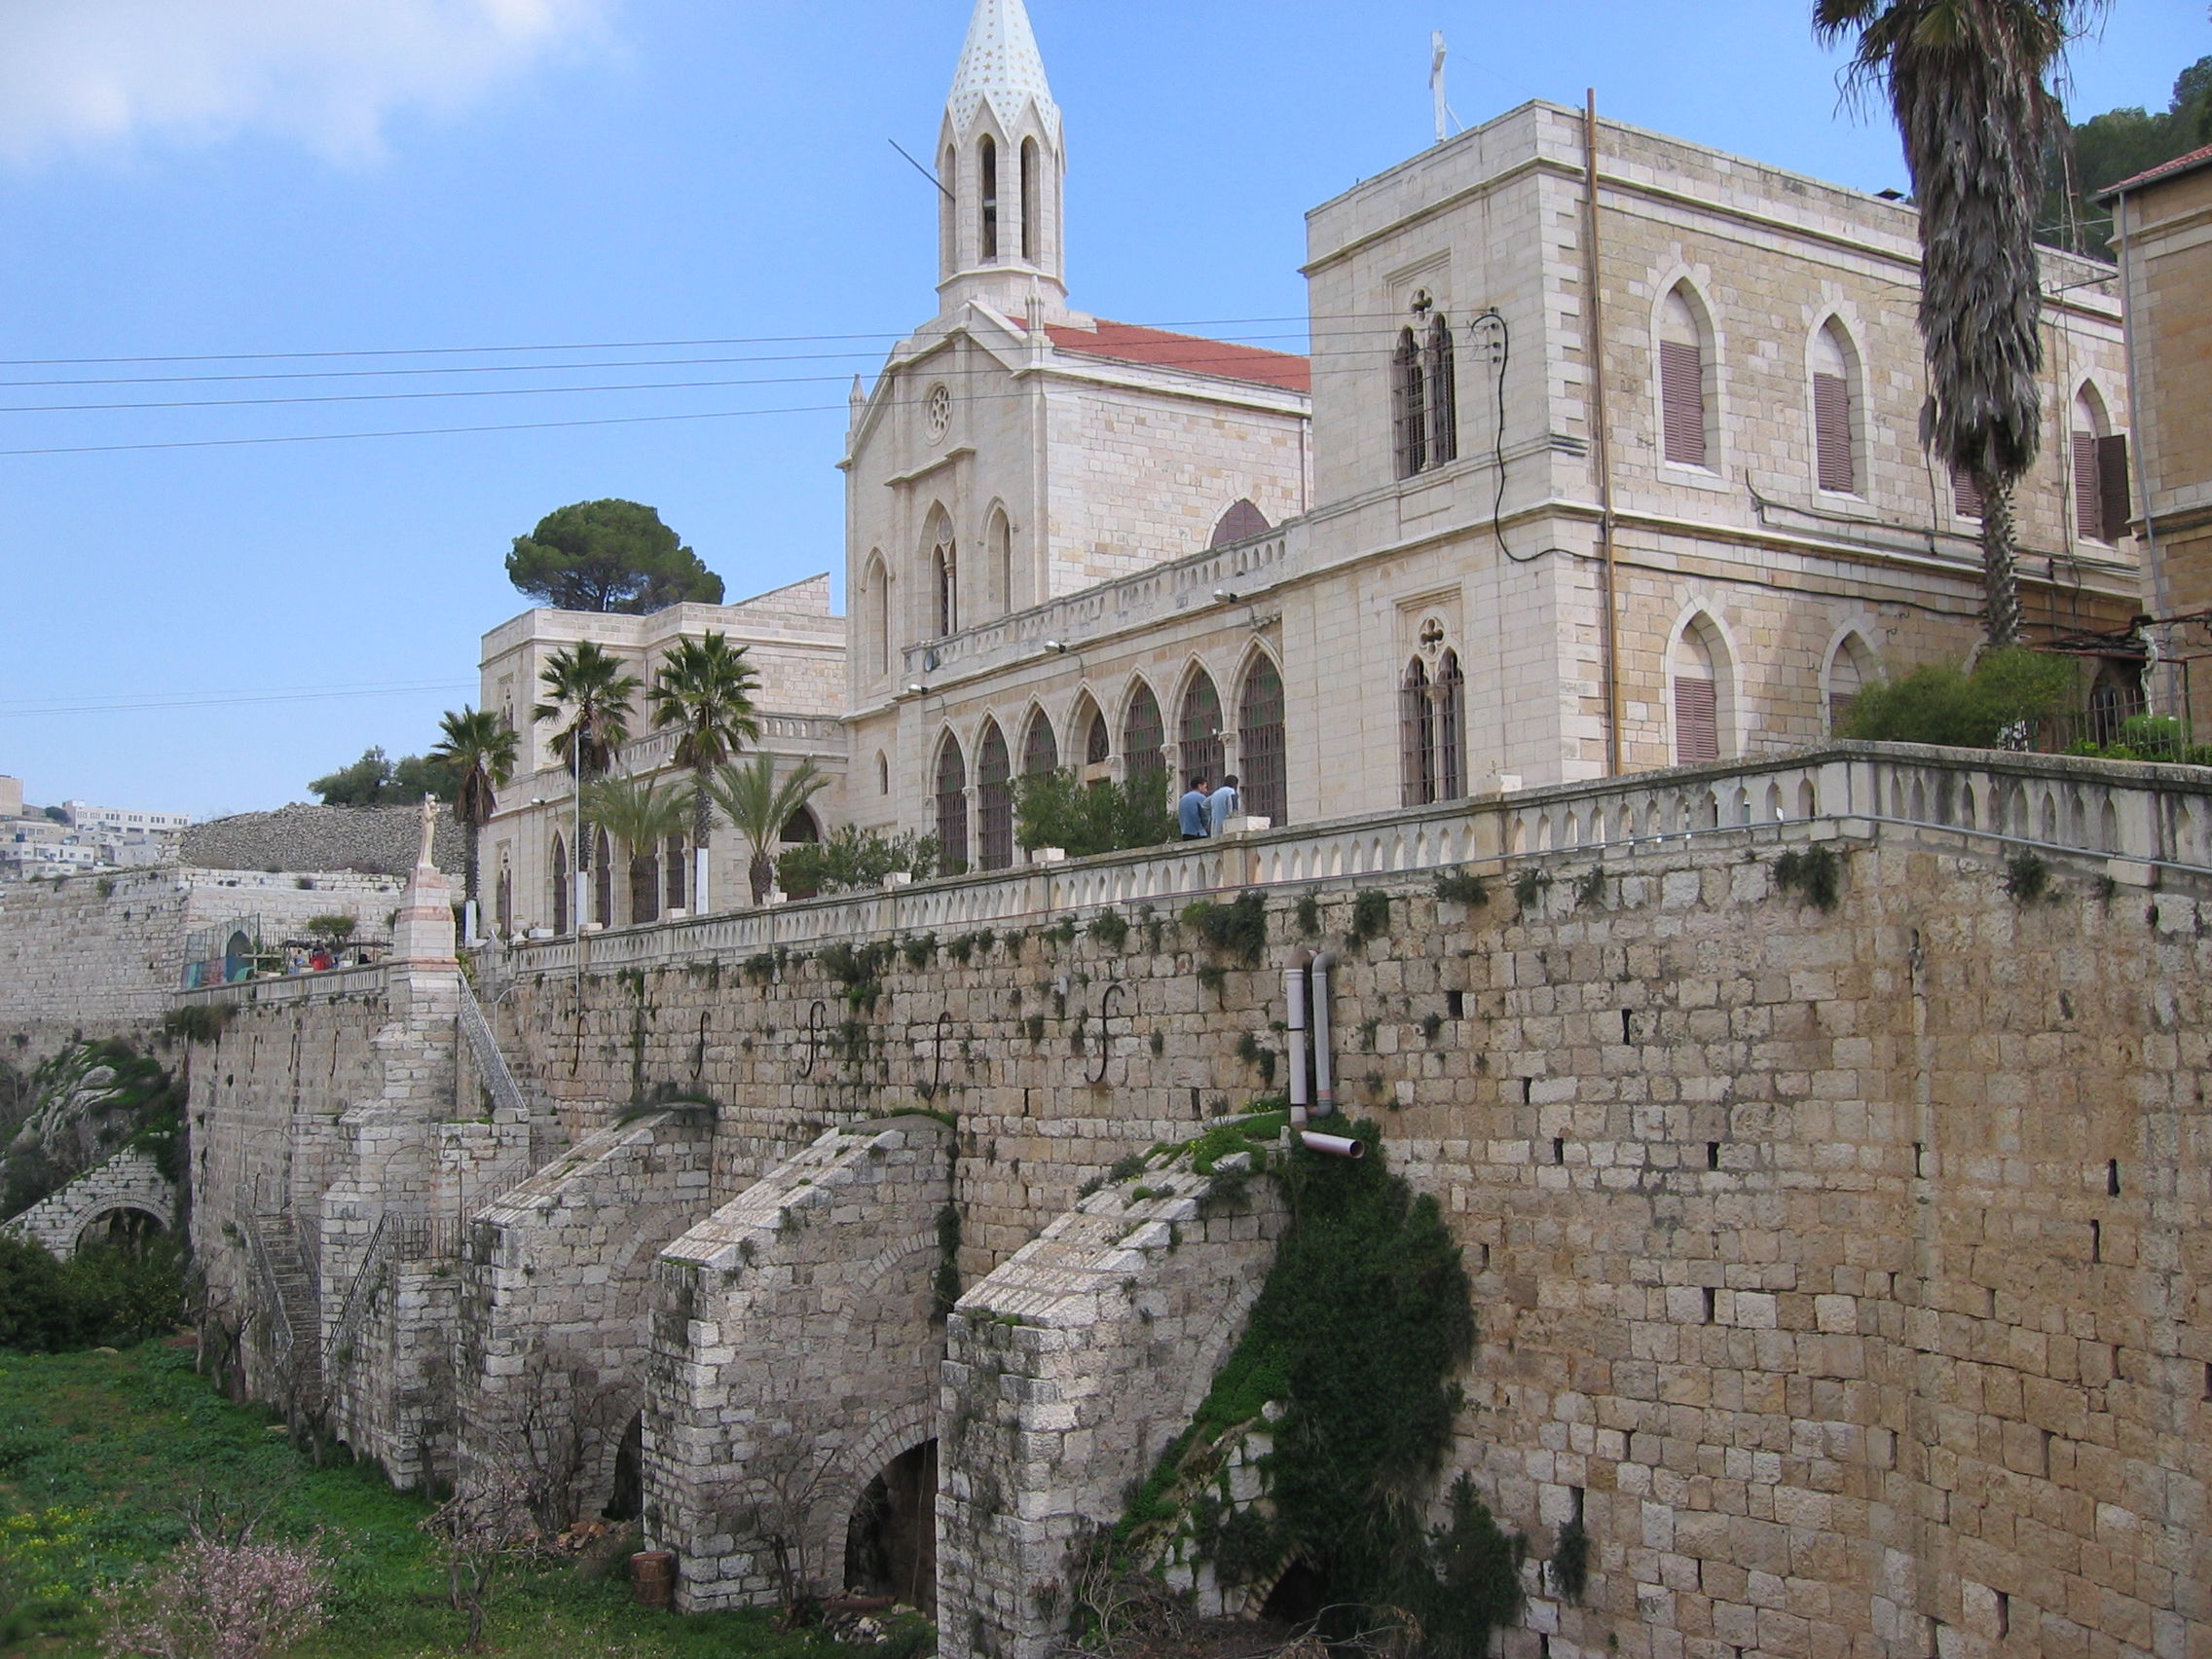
<point>1409,406</point>
<point>802,828</point>
<point>1416,734</point>
<point>1439,362</point>
<point>1040,749</point>
<point>1835,423</point>
<point>882,773</point>
<point>1262,765</point>
<point>942,562</point>
<point>951,807</point>
<point>1199,731</point>
<point>1685,394</point>
<point>1098,736</point>
<point>1031,182</point>
<point>1694,665</point>
<point>1144,740</point>
<point>987,176</point>
<point>994,802</point>
<point>626,1497</point>
<point>237,956</point>
<point>998,545</point>
<point>875,602</point>
<point>602,880</point>
<point>2089,426</point>
<point>891,1537</point>
<point>504,902</point>
<point>1240,522</point>
<point>1851,670</point>
<point>1299,1595</point>
<point>560,885</point>
<point>676,858</point>
<point>2116,697</point>
<point>126,1227</point>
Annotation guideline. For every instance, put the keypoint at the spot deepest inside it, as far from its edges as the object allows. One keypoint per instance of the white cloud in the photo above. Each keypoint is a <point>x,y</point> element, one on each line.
<point>96,74</point>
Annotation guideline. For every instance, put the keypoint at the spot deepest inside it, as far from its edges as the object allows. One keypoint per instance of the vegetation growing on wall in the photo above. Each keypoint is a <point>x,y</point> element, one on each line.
<point>1814,874</point>
<point>1364,1322</point>
<point>1460,887</point>
<point>77,1108</point>
<point>1238,929</point>
<point>1370,917</point>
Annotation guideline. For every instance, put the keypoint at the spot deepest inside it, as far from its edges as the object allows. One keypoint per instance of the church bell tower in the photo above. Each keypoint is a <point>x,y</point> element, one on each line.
<point>1000,161</point>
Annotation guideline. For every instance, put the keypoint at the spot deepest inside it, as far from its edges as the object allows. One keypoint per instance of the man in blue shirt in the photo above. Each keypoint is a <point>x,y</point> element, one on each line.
<point>1222,806</point>
<point>1191,811</point>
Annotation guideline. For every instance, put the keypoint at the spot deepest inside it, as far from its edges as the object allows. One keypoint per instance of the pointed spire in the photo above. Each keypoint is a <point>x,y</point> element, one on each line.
<point>1000,66</point>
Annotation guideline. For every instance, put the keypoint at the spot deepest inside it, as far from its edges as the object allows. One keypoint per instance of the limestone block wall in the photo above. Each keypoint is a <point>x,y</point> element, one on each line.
<point>796,1348</point>
<point>554,1302</point>
<point>1067,1373</point>
<point>130,1180</point>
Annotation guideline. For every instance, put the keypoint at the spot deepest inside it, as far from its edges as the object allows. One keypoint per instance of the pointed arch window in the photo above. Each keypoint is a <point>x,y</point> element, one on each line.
<point>560,885</point>
<point>1683,404</point>
<point>1696,671</point>
<point>1442,374</point>
<point>876,596</point>
<point>1835,425</point>
<point>645,884</point>
<point>1450,729</point>
<point>2101,504</point>
<point>677,856</point>
<point>1031,183</point>
<point>1409,406</point>
<point>951,807</point>
<point>1199,730</point>
<point>1260,758</point>
<point>1040,749</point>
<point>998,541</point>
<point>882,773</point>
<point>1416,734</point>
<point>1144,737</point>
<point>988,166</point>
<point>1098,741</point>
<point>1849,672</point>
<point>603,880</point>
<point>994,802</point>
<point>503,904</point>
<point>945,582</point>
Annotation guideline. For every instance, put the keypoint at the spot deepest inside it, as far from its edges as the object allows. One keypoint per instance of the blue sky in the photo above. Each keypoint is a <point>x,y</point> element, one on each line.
<point>183,179</point>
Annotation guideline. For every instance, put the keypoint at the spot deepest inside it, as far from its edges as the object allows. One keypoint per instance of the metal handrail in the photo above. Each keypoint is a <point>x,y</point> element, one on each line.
<point>484,1048</point>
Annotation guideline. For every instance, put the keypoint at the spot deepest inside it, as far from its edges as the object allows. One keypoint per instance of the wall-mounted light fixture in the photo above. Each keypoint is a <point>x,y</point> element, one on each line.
<point>1057,648</point>
<point>1222,596</point>
<point>916,689</point>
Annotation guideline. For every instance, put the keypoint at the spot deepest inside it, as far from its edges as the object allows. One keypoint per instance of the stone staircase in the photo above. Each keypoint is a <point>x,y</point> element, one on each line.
<point>285,1284</point>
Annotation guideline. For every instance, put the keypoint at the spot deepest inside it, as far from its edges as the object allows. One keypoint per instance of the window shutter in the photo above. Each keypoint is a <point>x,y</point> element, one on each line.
<point>1839,710</point>
<point>1681,399</point>
<point>2112,485</point>
<point>1966,494</point>
<point>1832,432</point>
<point>1697,725</point>
<point>2088,496</point>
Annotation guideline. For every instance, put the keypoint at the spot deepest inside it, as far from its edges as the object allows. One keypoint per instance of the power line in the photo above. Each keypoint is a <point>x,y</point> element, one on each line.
<point>150,704</point>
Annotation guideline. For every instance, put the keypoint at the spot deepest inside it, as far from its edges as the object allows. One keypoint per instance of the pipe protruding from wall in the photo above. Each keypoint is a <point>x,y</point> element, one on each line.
<point>1324,1066</point>
<point>1335,1146</point>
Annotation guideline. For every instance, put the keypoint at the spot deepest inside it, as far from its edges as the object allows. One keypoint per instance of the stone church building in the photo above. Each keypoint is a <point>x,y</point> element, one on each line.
<point>1454,551</point>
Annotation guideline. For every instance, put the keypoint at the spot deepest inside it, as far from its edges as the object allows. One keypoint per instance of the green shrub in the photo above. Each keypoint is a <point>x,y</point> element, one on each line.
<point>1814,875</point>
<point>2007,690</point>
<point>1111,929</point>
<point>1370,917</point>
<point>195,1022</point>
<point>2027,878</point>
<point>1238,929</point>
<point>855,860</point>
<point>1058,809</point>
<point>1458,887</point>
<point>109,1294</point>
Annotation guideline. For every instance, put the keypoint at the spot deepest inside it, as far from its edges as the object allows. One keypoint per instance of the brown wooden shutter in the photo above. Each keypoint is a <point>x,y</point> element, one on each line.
<point>1839,710</point>
<point>2088,496</point>
<point>1832,432</point>
<point>1697,725</point>
<point>1966,494</point>
<point>1681,399</point>
<point>2112,485</point>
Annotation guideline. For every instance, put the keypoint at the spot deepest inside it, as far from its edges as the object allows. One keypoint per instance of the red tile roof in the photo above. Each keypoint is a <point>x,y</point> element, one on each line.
<point>2180,164</point>
<point>1127,342</point>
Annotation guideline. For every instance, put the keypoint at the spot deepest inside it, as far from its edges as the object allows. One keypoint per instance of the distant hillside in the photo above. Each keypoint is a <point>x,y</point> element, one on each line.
<point>366,840</point>
<point>2118,144</point>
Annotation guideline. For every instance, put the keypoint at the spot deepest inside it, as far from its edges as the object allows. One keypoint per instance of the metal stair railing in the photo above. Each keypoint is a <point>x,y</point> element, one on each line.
<point>491,1064</point>
<point>265,1273</point>
<point>367,1282</point>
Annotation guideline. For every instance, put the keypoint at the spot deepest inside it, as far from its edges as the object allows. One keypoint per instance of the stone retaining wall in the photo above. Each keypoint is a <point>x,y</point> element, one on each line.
<point>130,1180</point>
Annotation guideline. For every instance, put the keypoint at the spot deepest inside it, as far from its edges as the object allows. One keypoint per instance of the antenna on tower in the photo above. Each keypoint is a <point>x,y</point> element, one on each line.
<point>1436,84</point>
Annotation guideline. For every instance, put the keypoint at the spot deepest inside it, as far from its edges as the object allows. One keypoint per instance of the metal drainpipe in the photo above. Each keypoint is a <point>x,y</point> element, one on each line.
<point>1294,995</point>
<point>1324,1063</point>
<point>1601,435</point>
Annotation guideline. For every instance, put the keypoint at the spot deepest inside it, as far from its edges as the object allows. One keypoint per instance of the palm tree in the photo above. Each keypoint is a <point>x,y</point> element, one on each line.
<point>705,688</point>
<point>1965,79</point>
<point>644,816</point>
<point>586,683</point>
<point>478,748</point>
<point>758,805</point>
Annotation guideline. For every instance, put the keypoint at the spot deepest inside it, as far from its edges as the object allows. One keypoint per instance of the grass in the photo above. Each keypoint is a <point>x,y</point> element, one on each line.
<point>101,1452</point>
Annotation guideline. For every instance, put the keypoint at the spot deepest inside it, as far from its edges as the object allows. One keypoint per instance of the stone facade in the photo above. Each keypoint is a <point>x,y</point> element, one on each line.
<point>1835,1266</point>
<point>130,1182</point>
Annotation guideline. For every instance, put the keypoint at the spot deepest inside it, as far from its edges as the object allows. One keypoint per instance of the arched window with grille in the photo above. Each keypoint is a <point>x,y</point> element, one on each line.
<point>1097,738</point>
<point>1409,406</point>
<point>994,802</point>
<point>677,857</point>
<point>603,880</point>
<point>951,807</point>
<point>1144,737</point>
<point>1442,373</point>
<point>1040,749</point>
<point>560,885</point>
<point>1261,772</point>
<point>1450,729</point>
<point>1416,735</point>
<point>1200,732</point>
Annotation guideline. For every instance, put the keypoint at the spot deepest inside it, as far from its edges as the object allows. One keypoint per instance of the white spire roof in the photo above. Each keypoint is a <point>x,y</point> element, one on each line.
<point>1000,66</point>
